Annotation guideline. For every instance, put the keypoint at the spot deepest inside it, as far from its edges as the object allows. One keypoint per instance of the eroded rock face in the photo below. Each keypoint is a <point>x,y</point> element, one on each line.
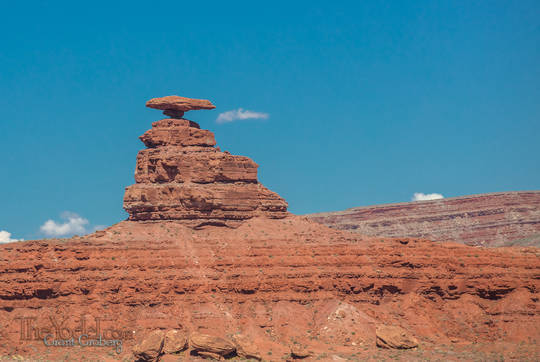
<point>496,219</point>
<point>395,337</point>
<point>182,176</point>
<point>205,343</point>
<point>150,347</point>
<point>245,347</point>
<point>274,280</point>
<point>177,132</point>
<point>175,341</point>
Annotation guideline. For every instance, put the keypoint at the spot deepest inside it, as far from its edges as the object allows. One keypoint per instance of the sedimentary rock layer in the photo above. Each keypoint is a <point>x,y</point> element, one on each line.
<point>178,103</point>
<point>201,203</point>
<point>275,281</point>
<point>175,106</point>
<point>182,176</point>
<point>494,219</point>
<point>177,132</point>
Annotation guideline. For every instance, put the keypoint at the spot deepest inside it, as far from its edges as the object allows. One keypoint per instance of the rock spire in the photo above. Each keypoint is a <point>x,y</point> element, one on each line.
<point>181,175</point>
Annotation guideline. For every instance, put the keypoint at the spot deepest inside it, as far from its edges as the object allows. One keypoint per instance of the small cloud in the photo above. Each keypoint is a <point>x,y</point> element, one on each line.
<point>74,224</point>
<point>240,113</point>
<point>5,237</point>
<point>419,196</point>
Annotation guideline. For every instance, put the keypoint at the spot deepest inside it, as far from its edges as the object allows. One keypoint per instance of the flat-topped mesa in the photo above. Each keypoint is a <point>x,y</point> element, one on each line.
<point>175,106</point>
<point>183,176</point>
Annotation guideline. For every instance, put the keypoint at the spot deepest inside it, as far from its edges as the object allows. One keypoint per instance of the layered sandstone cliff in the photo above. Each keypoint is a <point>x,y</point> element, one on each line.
<point>281,283</point>
<point>495,219</point>
<point>287,287</point>
<point>183,176</point>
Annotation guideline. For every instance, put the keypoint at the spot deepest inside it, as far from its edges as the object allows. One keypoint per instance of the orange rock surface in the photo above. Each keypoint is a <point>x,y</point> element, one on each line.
<point>175,106</point>
<point>276,285</point>
<point>182,176</point>
<point>276,281</point>
<point>178,103</point>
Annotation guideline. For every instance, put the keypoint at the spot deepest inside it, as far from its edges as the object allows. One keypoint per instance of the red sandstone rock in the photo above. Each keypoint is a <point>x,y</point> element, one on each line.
<point>202,203</point>
<point>299,352</point>
<point>245,347</point>
<point>182,176</point>
<point>496,219</point>
<point>170,358</point>
<point>345,324</point>
<point>177,133</point>
<point>150,347</point>
<point>198,165</point>
<point>175,106</point>
<point>274,280</point>
<point>395,337</point>
<point>205,343</point>
<point>175,341</point>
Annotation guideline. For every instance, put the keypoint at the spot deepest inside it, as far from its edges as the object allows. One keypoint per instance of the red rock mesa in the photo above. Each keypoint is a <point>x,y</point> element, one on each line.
<point>497,219</point>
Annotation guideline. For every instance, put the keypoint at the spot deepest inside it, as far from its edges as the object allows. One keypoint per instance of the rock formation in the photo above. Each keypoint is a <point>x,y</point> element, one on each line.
<point>150,347</point>
<point>212,346</point>
<point>183,176</point>
<point>277,281</point>
<point>496,219</point>
<point>395,337</point>
<point>175,341</point>
<point>175,106</point>
<point>272,288</point>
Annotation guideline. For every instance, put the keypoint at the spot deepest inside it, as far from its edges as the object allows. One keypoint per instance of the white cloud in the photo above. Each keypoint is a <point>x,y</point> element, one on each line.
<point>419,196</point>
<point>240,113</point>
<point>5,237</point>
<point>74,224</point>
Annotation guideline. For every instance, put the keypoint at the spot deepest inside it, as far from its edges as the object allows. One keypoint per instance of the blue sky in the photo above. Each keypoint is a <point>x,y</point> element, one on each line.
<point>368,101</point>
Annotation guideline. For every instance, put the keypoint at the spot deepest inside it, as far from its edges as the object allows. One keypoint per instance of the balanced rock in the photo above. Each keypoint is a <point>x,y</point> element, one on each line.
<point>175,106</point>
<point>183,176</point>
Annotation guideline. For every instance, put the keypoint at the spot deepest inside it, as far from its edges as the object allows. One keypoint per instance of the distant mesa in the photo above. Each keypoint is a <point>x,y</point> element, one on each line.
<point>183,176</point>
<point>495,219</point>
<point>175,106</point>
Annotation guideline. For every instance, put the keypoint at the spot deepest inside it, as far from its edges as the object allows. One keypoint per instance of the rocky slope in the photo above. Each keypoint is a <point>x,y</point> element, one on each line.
<point>495,219</point>
<point>203,263</point>
<point>280,282</point>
